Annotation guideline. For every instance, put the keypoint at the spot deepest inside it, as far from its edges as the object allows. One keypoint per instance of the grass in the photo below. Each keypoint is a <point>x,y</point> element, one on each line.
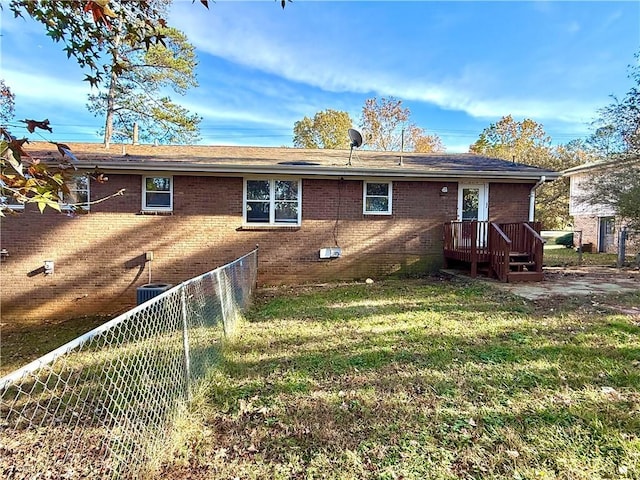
<point>109,403</point>
<point>23,342</point>
<point>559,256</point>
<point>420,379</point>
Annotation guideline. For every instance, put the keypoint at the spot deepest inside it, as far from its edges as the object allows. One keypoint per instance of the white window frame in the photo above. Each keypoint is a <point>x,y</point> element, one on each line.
<point>389,210</point>
<point>69,203</point>
<point>153,208</point>
<point>272,203</point>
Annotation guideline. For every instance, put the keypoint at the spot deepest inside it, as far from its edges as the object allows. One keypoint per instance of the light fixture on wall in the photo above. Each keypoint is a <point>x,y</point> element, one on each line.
<point>444,189</point>
<point>48,267</point>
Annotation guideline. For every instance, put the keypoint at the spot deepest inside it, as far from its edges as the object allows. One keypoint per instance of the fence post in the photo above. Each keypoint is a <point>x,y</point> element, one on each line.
<point>221,295</point>
<point>579,247</point>
<point>622,247</point>
<point>255,285</point>
<point>185,342</point>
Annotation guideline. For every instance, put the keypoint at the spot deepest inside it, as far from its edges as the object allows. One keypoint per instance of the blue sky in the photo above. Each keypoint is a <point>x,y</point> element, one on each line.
<point>458,66</point>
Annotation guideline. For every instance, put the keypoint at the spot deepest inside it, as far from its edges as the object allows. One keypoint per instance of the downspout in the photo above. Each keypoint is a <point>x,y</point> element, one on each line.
<point>532,197</point>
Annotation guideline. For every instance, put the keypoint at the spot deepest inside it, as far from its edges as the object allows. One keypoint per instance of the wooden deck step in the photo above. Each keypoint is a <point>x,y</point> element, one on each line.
<point>522,264</point>
<point>514,277</point>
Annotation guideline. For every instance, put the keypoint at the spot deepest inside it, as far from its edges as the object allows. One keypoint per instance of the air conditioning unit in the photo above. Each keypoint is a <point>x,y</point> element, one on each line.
<point>148,291</point>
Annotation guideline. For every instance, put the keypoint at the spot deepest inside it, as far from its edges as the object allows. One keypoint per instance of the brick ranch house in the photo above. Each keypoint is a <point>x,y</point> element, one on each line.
<point>199,207</point>
<point>598,224</point>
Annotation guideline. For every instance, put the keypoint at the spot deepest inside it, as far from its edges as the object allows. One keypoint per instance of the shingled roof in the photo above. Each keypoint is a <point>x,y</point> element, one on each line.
<point>292,161</point>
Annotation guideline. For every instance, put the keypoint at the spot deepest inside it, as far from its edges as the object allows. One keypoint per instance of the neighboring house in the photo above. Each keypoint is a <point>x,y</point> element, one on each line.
<point>198,207</point>
<point>594,224</point>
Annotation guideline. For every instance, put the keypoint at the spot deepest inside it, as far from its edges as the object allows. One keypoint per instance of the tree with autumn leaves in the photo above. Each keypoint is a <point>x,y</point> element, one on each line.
<point>22,179</point>
<point>525,141</point>
<point>386,125</point>
<point>28,180</point>
<point>91,31</point>
<point>327,129</point>
<point>614,148</point>
<point>105,38</point>
<point>616,180</point>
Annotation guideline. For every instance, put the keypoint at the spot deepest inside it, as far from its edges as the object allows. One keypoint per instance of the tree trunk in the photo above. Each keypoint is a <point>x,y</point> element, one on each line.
<point>111,95</point>
<point>108,123</point>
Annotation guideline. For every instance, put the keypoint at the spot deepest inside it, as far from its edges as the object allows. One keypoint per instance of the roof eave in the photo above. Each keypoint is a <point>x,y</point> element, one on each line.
<point>591,166</point>
<point>345,171</point>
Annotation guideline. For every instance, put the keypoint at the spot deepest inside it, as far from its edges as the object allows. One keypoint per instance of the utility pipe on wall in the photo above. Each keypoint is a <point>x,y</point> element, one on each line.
<point>532,198</point>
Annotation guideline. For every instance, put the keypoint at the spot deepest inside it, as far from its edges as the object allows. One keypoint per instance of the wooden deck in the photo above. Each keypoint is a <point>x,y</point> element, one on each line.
<point>510,252</point>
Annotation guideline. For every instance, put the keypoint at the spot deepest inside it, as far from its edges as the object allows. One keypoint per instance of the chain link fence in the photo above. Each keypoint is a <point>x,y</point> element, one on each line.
<point>102,406</point>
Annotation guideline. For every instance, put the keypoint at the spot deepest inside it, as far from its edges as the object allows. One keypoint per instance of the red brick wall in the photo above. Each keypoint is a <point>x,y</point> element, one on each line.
<point>99,256</point>
<point>509,202</point>
<point>588,225</point>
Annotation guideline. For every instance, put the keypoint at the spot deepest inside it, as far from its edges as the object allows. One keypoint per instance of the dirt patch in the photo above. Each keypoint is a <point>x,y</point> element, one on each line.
<point>633,312</point>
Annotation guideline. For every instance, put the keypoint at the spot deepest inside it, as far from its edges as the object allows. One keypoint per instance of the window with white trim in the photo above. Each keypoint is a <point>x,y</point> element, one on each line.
<point>272,202</point>
<point>157,194</point>
<point>78,195</point>
<point>377,198</point>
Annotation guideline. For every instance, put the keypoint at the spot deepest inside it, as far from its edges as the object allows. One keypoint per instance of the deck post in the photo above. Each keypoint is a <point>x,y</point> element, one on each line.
<point>474,249</point>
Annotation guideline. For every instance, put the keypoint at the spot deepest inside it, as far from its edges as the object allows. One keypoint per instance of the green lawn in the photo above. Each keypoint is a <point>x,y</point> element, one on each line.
<point>559,256</point>
<point>420,379</point>
<point>23,342</point>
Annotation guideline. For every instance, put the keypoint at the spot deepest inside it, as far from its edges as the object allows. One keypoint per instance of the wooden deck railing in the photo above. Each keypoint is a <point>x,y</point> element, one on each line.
<point>493,244</point>
<point>523,235</point>
<point>535,243</point>
<point>466,242</point>
<point>500,252</point>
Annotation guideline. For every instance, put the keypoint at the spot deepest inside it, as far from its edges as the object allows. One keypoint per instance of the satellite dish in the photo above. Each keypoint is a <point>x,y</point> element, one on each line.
<point>356,138</point>
<point>356,141</point>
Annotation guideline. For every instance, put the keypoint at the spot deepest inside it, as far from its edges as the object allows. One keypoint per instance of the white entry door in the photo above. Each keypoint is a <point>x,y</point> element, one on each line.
<point>473,204</point>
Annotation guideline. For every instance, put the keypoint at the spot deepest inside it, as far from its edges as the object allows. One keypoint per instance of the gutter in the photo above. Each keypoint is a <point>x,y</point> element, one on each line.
<point>532,197</point>
<point>309,171</point>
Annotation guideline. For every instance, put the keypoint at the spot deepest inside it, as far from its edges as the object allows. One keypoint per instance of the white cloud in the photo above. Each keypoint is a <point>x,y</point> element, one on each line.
<point>476,91</point>
<point>609,20</point>
<point>44,90</point>
<point>286,65</point>
<point>230,115</point>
